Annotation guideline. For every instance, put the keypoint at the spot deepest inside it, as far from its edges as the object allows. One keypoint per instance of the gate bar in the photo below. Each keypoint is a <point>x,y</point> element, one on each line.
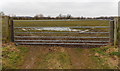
<point>56,37</point>
<point>67,27</point>
<point>63,40</point>
<point>62,20</point>
<point>63,43</point>
<point>66,32</point>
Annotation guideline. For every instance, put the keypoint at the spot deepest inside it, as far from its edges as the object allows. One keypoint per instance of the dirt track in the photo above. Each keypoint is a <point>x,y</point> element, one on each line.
<point>50,57</point>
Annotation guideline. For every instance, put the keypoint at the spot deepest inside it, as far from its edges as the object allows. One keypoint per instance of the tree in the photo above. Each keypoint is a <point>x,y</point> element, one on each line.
<point>60,15</point>
<point>49,17</point>
<point>68,16</point>
<point>2,14</point>
<point>39,16</point>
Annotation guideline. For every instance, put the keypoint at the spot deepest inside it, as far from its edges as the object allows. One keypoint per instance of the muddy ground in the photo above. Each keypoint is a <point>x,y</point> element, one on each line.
<point>59,57</point>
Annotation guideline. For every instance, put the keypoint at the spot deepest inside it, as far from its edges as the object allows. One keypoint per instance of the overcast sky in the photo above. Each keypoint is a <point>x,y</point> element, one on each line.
<point>89,8</point>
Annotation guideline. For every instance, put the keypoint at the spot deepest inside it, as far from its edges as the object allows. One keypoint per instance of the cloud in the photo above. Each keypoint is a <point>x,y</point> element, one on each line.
<point>55,8</point>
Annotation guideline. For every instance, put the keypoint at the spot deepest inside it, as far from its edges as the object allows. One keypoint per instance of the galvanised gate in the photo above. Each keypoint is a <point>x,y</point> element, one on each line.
<point>63,32</point>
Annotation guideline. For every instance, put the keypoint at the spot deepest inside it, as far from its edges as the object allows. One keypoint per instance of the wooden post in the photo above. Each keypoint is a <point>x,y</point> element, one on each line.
<point>0,33</point>
<point>9,30</point>
<point>5,31</point>
<point>119,24</point>
<point>12,30</point>
<point>116,32</point>
<point>112,32</point>
<point>119,31</point>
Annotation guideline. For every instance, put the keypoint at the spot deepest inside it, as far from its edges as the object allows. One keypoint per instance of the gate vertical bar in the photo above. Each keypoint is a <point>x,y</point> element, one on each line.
<point>12,30</point>
<point>111,32</point>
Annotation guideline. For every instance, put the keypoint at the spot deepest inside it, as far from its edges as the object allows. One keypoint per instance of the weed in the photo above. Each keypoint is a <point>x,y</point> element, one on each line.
<point>115,53</point>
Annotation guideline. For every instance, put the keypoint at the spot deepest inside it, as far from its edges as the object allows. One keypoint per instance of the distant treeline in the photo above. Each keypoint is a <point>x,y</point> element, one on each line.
<point>40,18</point>
<point>60,16</point>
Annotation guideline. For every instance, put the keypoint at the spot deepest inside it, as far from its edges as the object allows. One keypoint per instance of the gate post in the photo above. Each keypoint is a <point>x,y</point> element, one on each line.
<point>5,29</point>
<point>12,30</point>
<point>116,30</point>
<point>111,32</point>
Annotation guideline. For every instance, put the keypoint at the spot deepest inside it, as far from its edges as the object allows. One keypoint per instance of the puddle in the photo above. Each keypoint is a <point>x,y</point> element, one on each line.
<point>56,29</point>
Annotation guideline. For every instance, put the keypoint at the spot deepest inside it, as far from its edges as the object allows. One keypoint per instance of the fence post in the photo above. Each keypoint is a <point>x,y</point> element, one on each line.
<point>111,32</point>
<point>5,30</point>
<point>9,29</point>
<point>12,30</point>
<point>119,31</point>
<point>115,32</point>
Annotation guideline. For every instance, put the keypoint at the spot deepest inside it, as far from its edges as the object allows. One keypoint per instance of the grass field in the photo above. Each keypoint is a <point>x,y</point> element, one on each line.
<point>61,23</point>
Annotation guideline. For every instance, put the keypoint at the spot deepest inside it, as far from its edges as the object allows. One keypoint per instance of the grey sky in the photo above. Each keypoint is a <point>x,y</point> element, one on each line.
<point>54,7</point>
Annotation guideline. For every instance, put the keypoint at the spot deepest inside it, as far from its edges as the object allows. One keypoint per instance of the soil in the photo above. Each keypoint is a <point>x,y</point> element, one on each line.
<point>78,59</point>
<point>82,60</point>
<point>32,57</point>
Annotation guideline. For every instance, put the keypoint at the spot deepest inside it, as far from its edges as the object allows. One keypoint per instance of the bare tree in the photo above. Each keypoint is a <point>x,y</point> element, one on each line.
<point>60,15</point>
<point>39,16</point>
<point>68,16</point>
<point>2,14</point>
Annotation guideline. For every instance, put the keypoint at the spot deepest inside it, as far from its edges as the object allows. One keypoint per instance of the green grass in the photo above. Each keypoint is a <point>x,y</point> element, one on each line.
<point>104,54</point>
<point>115,53</point>
<point>13,57</point>
<point>61,23</point>
<point>101,50</point>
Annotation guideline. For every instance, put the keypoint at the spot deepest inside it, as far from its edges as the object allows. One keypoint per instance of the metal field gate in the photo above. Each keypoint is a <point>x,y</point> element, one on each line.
<point>62,32</point>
